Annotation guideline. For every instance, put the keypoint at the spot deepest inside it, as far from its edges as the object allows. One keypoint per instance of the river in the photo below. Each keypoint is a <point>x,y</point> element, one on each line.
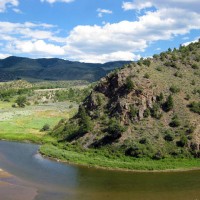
<point>57,181</point>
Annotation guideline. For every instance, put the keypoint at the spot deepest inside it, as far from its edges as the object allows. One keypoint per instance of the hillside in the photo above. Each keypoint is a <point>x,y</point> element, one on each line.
<point>146,109</point>
<point>13,68</point>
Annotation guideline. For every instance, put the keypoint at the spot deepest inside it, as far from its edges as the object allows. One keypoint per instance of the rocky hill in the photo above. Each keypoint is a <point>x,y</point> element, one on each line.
<point>146,109</point>
<point>13,68</point>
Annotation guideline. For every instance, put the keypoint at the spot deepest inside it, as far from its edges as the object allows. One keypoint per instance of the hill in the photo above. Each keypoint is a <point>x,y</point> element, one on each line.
<point>13,68</point>
<point>146,109</point>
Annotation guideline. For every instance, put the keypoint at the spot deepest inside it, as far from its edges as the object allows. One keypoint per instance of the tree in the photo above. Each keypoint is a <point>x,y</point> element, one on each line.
<point>85,120</point>
<point>21,101</point>
<point>169,104</point>
<point>129,83</point>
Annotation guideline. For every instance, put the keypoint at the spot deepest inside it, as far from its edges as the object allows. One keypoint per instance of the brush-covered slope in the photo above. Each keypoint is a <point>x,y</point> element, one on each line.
<point>13,68</point>
<point>146,109</point>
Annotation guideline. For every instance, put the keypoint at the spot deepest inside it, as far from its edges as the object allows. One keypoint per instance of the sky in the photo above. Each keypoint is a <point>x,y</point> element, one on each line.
<point>96,31</point>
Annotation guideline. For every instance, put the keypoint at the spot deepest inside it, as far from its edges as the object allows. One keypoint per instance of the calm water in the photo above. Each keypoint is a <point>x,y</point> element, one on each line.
<point>56,181</point>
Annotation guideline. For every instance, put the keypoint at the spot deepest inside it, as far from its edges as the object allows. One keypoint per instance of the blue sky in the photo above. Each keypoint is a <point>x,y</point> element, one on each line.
<point>96,30</point>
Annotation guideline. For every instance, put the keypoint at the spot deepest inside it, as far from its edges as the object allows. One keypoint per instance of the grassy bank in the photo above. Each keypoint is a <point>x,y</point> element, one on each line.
<point>101,159</point>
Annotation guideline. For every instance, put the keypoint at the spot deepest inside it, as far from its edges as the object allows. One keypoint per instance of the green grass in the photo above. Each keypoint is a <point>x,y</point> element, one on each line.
<point>99,159</point>
<point>24,124</point>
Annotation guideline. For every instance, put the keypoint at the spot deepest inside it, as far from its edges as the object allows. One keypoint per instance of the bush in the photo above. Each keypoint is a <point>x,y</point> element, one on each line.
<point>46,127</point>
<point>169,136</point>
<point>169,104</point>
<point>147,62</point>
<point>133,111</point>
<point>195,107</point>
<point>129,83</point>
<point>175,122</point>
<point>195,66</point>
<point>146,76</point>
<point>155,111</point>
<point>21,101</point>
<point>182,142</point>
<point>174,89</point>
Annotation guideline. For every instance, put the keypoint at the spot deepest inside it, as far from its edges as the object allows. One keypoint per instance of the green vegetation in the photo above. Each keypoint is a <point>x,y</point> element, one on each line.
<point>107,159</point>
<point>195,107</point>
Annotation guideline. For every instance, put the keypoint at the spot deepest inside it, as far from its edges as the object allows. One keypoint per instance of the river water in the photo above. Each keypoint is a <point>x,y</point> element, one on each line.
<point>57,181</point>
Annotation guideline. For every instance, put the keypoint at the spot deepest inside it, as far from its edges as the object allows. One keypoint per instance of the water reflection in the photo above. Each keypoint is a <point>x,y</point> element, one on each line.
<point>66,182</point>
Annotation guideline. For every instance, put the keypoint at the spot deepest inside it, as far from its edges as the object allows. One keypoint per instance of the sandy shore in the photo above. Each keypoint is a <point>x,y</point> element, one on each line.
<point>11,188</point>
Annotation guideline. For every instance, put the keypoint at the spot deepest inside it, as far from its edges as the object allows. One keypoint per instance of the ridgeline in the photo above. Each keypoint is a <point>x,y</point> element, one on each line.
<point>149,109</point>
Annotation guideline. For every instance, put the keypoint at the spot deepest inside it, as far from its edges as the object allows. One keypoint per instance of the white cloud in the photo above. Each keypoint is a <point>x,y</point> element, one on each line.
<point>55,1</point>
<point>103,11</point>
<point>192,5</point>
<point>37,47</point>
<point>137,5</point>
<point>8,3</point>
<point>124,40</point>
<point>2,56</point>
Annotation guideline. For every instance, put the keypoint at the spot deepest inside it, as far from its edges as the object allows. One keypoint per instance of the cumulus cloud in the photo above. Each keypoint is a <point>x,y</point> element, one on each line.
<point>8,3</point>
<point>55,1</point>
<point>124,40</point>
<point>103,11</point>
<point>37,47</point>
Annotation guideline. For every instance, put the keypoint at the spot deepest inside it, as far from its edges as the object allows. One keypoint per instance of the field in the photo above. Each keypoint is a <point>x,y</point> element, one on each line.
<point>24,123</point>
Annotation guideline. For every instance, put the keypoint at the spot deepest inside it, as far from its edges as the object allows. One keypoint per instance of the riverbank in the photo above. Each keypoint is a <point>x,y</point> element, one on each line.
<point>97,159</point>
<point>11,186</point>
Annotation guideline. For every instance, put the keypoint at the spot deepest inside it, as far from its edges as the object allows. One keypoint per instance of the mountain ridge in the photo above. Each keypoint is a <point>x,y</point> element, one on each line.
<point>13,68</point>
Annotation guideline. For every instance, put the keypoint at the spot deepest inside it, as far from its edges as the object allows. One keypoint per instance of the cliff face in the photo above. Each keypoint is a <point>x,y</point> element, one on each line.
<point>149,108</point>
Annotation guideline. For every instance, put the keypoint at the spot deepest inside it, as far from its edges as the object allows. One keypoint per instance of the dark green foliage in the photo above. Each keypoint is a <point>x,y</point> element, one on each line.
<point>182,142</point>
<point>155,111</point>
<point>46,127</point>
<point>160,98</point>
<point>133,111</point>
<point>21,101</point>
<point>73,94</point>
<point>129,83</point>
<point>146,76</point>
<point>175,121</point>
<point>169,104</point>
<point>178,74</point>
<point>147,62</point>
<point>195,66</point>
<point>169,136</point>
<point>114,127</point>
<point>85,120</point>
<point>147,113</point>
<point>174,89</point>
<point>195,107</point>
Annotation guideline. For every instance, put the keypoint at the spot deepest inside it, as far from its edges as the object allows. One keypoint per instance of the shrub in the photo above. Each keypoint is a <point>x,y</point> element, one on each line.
<point>174,89</point>
<point>129,83</point>
<point>46,127</point>
<point>21,101</point>
<point>182,142</point>
<point>169,104</point>
<point>155,111</point>
<point>114,127</point>
<point>146,76</point>
<point>147,62</point>
<point>169,136</point>
<point>175,121</point>
<point>133,111</point>
<point>195,66</point>
<point>195,107</point>
<point>147,113</point>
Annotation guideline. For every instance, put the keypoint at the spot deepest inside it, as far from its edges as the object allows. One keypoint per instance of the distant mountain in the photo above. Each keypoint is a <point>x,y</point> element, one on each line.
<point>12,68</point>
